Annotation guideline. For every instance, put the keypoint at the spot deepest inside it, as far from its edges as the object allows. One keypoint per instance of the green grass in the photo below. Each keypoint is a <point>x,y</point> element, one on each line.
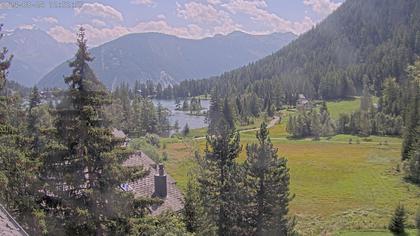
<point>337,186</point>
<point>340,188</point>
<point>375,233</point>
<point>346,106</point>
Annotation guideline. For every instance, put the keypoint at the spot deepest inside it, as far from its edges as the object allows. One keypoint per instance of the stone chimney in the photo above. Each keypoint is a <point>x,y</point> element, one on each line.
<point>161,189</point>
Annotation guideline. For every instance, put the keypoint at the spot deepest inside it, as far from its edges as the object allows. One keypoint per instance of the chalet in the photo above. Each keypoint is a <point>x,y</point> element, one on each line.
<point>156,184</point>
<point>8,225</point>
<point>303,103</point>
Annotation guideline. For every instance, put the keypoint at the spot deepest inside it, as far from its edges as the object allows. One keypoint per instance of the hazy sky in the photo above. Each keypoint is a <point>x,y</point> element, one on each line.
<point>106,20</point>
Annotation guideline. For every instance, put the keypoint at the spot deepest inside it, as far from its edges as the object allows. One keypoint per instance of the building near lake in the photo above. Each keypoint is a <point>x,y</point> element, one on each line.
<point>156,184</point>
<point>303,103</point>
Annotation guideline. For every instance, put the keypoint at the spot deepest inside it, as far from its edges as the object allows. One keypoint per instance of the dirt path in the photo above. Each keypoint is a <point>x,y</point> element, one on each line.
<point>272,123</point>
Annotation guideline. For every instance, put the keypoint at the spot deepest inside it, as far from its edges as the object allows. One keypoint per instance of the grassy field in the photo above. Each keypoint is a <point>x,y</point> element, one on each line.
<point>338,187</point>
<point>346,106</point>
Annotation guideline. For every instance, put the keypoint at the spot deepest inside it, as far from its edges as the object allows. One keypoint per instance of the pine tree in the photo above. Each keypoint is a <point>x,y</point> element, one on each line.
<point>397,223</point>
<point>193,211</point>
<point>412,116</point>
<point>228,114</point>
<point>215,113</point>
<point>148,117</point>
<point>34,120</point>
<point>266,187</point>
<point>291,126</point>
<point>83,170</point>
<point>186,130</point>
<point>315,125</point>
<point>218,179</point>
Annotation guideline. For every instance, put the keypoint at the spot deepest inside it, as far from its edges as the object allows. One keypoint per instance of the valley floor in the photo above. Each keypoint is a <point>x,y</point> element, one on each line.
<point>338,187</point>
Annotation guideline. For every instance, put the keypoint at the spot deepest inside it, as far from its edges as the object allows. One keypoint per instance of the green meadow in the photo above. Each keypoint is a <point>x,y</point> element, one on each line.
<point>339,188</point>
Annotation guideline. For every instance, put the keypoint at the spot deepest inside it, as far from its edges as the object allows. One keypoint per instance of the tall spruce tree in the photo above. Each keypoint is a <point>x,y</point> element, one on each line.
<point>83,170</point>
<point>266,187</point>
<point>411,133</point>
<point>193,209</point>
<point>218,179</point>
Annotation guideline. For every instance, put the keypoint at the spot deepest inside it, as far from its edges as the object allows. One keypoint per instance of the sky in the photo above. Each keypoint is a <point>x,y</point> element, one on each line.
<point>106,20</point>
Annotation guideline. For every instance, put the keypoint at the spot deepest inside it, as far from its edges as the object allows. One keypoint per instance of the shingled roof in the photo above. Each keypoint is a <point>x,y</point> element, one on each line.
<point>8,226</point>
<point>145,187</point>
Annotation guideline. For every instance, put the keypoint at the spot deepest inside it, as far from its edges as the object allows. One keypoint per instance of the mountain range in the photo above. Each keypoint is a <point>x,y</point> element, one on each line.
<point>169,59</point>
<point>35,54</point>
<point>362,42</point>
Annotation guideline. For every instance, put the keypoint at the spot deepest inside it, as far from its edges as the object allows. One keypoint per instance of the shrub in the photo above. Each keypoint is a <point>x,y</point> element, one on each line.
<point>153,139</point>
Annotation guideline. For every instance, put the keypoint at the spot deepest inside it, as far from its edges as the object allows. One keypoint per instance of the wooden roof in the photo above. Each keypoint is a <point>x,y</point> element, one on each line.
<point>145,187</point>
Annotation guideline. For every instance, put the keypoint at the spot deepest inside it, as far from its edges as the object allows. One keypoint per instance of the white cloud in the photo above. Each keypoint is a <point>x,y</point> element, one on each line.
<point>322,7</point>
<point>142,2</point>
<point>214,2</point>
<point>201,13</point>
<point>215,21</point>
<point>98,23</point>
<point>257,10</point>
<point>161,26</point>
<point>28,27</point>
<point>99,35</point>
<point>62,34</point>
<point>5,5</point>
<point>46,19</point>
<point>161,16</point>
<point>99,10</point>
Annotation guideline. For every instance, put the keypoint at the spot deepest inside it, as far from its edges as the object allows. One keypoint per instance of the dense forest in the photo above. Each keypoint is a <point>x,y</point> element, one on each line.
<point>362,40</point>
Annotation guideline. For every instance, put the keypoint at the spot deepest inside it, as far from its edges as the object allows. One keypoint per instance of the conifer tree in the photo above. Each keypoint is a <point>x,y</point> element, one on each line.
<point>266,187</point>
<point>228,114</point>
<point>186,130</point>
<point>218,179</point>
<point>214,113</point>
<point>193,211</point>
<point>398,220</point>
<point>315,125</point>
<point>412,116</point>
<point>34,129</point>
<point>83,170</point>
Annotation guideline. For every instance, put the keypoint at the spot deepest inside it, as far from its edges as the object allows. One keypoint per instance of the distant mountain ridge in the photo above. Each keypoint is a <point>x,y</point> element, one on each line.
<point>169,59</point>
<point>362,41</point>
<point>35,54</point>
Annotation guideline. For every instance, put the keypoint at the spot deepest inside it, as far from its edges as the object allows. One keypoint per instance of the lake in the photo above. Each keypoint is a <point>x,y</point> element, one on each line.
<point>183,117</point>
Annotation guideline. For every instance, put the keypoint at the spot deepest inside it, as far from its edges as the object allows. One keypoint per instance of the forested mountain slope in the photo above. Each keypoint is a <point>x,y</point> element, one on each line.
<point>168,59</point>
<point>362,40</point>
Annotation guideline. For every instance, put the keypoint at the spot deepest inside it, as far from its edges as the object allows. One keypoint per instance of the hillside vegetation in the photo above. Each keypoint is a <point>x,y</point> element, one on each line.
<point>362,40</point>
